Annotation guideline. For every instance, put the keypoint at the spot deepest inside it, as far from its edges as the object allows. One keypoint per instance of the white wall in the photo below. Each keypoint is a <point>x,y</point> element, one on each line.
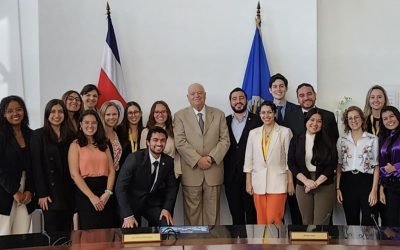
<point>166,45</point>
<point>358,46</point>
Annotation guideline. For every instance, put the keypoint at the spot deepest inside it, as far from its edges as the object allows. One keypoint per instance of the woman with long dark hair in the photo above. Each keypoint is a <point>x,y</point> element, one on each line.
<point>312,160</point>
<point>161,116</point>
<point>389,164</point>
<point>16,177</point>
<point>92,169</point>
<point>49,152</point>
<point>74,105</point>
<point>130,129</point>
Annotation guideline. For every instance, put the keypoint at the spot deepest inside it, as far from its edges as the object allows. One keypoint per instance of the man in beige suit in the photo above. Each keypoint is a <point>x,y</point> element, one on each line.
<point>202,140</point>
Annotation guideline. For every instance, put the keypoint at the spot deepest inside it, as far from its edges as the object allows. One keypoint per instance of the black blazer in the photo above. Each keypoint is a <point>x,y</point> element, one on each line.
<point>295,121</point>
<point>290,108</point>
<point>134,183</point>
<point>297,164</point>
<point>234,158</point>
<point>51,172</point>
<point>11,166</point>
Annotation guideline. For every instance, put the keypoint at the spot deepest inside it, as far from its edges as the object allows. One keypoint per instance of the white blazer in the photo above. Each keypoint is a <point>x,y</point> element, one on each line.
<point>268,176</point>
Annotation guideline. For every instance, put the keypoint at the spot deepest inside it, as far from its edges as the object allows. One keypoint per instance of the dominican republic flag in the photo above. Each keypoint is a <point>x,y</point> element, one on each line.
<point>256,78</point>
<point>111,82</point>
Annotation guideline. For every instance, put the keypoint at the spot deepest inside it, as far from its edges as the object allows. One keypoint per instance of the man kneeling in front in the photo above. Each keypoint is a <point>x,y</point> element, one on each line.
<point>146,185</point>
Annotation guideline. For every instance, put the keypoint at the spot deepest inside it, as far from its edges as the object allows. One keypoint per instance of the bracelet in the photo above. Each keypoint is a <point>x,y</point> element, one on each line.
<point>108,191</point>
<point>337,188</point>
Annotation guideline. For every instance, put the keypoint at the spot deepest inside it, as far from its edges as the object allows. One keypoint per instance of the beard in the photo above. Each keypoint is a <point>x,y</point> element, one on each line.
<point>239,111</point>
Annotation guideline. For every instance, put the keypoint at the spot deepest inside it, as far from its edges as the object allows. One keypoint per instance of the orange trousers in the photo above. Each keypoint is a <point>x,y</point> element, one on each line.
<point>270,208</point>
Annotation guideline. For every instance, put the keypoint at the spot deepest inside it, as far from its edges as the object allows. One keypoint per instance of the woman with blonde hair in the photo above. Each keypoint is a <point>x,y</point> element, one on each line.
<point>375,100</point>
<point>109,114</point>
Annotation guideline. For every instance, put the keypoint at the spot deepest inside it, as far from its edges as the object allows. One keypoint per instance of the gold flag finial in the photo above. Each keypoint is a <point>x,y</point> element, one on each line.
<point>108,8</point>
<point>258,17</point>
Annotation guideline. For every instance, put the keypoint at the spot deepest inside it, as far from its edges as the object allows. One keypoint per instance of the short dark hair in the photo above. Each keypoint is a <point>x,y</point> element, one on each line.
<point>89,87</point>
<point>269,104</point>
<point>304,84</point>
<point>156,129</point>
<point>278,76</point>
<point>237,90</point>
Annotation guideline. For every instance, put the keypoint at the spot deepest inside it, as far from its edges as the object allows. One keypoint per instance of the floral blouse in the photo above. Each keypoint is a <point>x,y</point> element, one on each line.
<point>362,156</point>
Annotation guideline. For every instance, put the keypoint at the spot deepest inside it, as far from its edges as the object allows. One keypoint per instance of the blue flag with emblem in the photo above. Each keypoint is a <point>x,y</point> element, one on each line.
<point>256,78</point>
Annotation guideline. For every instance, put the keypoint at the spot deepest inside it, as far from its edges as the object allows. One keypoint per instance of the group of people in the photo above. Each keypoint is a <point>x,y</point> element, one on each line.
<point>298,156</point>
<point>101,162</point>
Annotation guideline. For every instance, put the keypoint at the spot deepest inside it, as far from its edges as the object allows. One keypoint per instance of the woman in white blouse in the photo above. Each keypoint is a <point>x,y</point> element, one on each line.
<point>357,172</point>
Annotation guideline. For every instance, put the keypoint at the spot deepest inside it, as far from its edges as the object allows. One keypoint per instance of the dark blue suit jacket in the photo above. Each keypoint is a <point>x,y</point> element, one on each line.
<point>134,183</point>
<point>234,158</point>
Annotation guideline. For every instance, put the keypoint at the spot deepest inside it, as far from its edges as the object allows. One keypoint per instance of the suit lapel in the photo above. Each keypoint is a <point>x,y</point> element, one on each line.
<point>209,119</point>
<point>193,119</point>
<point>273,141</point>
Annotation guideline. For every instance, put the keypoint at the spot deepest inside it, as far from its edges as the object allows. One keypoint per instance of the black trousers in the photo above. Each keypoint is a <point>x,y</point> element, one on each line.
<point>392,212</point>
<point>152,215</point>
<point>355,190</point>
<point>241,204</point>
<point>58,220</point>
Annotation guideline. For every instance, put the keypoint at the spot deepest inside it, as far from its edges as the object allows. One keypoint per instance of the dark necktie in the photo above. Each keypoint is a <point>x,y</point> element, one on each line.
<point>154,172</point>
<point>201,122</point>
<point>305,115</point>
<point>279,115</point>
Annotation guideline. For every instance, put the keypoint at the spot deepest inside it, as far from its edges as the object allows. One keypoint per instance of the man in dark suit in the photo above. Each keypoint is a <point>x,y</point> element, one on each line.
<point>278,86</point>
<point>306,97</point>
<point>240,123</point>
<point>146,185</point>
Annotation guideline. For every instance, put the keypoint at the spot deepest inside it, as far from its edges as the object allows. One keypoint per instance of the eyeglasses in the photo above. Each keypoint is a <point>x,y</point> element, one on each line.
<point>71,99</point>
<point>163,112</point>
<point>355,118</point>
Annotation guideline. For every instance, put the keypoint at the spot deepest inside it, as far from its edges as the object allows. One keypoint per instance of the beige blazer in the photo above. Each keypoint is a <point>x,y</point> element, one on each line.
<point>192,144</point>
<point>268,176</point>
